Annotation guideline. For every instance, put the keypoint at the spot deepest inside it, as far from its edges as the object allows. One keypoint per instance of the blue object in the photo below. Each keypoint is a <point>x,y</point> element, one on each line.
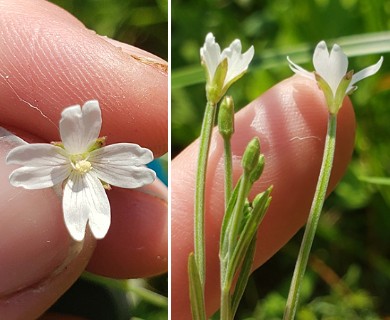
<point>157,166</point>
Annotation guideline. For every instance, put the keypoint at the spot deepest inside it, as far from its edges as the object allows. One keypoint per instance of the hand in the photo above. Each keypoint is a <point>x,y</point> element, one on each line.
<point>48,61</point>
<point>290,119</point>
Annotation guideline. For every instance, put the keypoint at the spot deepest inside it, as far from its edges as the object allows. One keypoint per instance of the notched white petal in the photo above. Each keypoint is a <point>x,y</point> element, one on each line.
<point>121,154</point>
<point>92,119</point>
<point>37,155</point>
<point>210,55</point>
<point>238,63</point>
<point>71,130</point>
<point>85,200</point>
<point>125,177</point>
<point>234,50</point>
<point>338,60</point>
<point>38,177</point>
<point>99,207</point>
<point>75,206</point>
<point>79,128</point>
<point>321,58</point>
<point>337,67</point>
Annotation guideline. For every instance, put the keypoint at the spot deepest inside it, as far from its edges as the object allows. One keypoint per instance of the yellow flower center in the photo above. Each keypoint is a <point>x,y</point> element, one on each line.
<point>82,166</point>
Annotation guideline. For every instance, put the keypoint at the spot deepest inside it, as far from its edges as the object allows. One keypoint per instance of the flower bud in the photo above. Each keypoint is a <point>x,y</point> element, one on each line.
<point>251,155</point>
<point>226,117</point>
<point>257,172</point>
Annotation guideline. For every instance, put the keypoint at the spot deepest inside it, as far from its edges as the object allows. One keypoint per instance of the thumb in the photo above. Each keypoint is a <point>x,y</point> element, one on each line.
<point>49,60</point>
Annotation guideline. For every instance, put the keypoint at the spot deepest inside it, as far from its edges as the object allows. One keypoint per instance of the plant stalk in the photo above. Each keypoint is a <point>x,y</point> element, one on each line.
<point>199,225</point>
<point>228,170</point>
<point>314,216</point>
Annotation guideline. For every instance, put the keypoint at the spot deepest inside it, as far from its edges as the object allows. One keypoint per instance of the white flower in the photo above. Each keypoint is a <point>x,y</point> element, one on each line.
<point>84,167</point>
<point>223,68</point>
<point>331,73</point>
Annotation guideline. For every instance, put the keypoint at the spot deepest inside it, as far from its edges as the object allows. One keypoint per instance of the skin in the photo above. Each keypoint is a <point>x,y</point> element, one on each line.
<point>48,61</point>
<point>290,119</point>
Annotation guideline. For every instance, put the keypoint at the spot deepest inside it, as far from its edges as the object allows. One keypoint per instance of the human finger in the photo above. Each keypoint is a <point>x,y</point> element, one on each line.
<point>49,61</point>
<point>290,120</point>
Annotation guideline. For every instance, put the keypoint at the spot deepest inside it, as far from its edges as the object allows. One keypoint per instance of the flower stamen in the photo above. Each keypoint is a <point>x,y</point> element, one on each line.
<point>82,166</point>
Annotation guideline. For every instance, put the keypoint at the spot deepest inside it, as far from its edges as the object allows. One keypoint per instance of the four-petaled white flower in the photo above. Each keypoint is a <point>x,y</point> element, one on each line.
<point>84,166</point>
<point>223,68</point>
<point>331,73</point>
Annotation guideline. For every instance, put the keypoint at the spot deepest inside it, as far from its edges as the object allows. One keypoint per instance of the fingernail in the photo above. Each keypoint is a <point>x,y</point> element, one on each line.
<point>139,54</point>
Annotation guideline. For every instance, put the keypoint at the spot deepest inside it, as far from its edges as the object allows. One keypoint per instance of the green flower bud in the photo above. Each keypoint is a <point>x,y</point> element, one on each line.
<point>257,172</point>
<point>251,155</point>
<point>226,117</point>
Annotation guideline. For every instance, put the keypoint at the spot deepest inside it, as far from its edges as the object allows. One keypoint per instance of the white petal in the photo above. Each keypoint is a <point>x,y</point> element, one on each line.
<point>233,52</point>
<point>121,154</point>
<point>39,177</point>
<point>125,176</point>
<point>338,67</point>
<point>210,54</point>
<point>85,198</point>
<point>75,206</point>
<point>321,59</point>
<point>369,71</point>
<point>100,210</point>
<point>237,63</point>
<point>10,138</point>
<point>37,155</point>
<point>299,70</point>
<point>79,128</point>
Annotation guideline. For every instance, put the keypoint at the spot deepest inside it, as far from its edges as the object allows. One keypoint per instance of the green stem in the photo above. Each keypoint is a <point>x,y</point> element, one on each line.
<point>225,304</point>
<point>225,291</point>
<point>314,216</point>
<point>199,237</point>
<point>228,170</point>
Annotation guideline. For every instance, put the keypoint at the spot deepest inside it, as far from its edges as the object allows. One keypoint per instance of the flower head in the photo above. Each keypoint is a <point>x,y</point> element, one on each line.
<point>85,168</point>
<point>223,68</point>
<point>331,74</point>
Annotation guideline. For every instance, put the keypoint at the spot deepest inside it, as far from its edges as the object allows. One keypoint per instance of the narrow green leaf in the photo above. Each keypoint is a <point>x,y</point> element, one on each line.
<point>235,222</point>
<point>376,180</point>
<point>244,275</point>
<point>196,290</point>
<point>231,206</point>
<point>223,243</point>
<point>239,252</point>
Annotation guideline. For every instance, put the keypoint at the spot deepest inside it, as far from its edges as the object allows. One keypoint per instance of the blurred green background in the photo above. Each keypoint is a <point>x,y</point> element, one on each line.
<point>144,24</point>
<point>349,274</point>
